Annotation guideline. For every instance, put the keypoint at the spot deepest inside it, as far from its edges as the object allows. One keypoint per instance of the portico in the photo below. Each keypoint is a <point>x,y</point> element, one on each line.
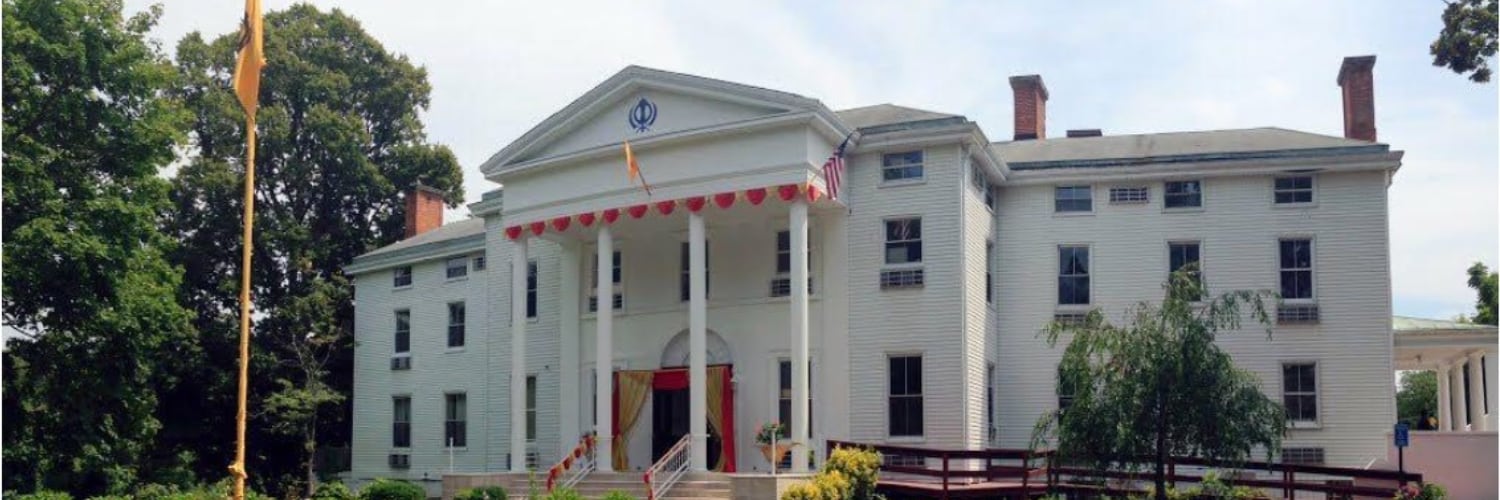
<point>1464,357</point>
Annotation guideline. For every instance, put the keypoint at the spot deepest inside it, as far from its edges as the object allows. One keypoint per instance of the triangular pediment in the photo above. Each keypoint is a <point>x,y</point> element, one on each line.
<point>641,103</point>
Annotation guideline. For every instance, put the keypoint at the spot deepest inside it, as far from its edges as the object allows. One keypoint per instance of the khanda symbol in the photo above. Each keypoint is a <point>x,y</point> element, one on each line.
<point>643,115</point>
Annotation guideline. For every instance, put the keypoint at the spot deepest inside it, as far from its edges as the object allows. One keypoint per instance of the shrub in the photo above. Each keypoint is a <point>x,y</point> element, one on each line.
<point>392,489</point>
<point>483,493</point>
<point>562,494</point>
<point>803,491</point>
<point>617,495</point>
<point>43,495</point>
<point>333,490</point>
<point>1426,491</point>
<point>860,468</point>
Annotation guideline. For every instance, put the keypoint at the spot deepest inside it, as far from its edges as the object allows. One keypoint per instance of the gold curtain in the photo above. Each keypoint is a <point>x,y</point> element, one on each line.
<point>634,386</point>
<point>716,376</point>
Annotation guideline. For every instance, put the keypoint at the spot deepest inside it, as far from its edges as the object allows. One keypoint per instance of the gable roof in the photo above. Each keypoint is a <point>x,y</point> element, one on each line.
<point>1116,150</point>
<point>464,235</point>
<point>1411,324</point>
<point>886,114</point>
<point>633,78</point>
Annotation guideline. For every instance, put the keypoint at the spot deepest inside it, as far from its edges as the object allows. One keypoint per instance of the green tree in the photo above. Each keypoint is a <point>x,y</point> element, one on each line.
<point>1484,282</point>
<point>1467,41</point>
<point>1417,397</point>
<point>340,139</point>
<point>88,126</point>
<point>1160,386</point>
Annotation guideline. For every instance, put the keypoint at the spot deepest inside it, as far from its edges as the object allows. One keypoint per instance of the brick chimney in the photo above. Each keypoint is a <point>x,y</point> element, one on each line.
<point>1359,97</point>
<point>424,209</point>
<point>1031,106</point>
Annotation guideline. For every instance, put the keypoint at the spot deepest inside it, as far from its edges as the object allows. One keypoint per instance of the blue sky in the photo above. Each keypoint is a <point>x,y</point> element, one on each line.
<point>497,68</point>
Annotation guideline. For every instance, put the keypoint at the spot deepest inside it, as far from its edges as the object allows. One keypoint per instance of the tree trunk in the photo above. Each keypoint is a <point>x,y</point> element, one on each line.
<point>310,447</point>
<point>1161,444</point>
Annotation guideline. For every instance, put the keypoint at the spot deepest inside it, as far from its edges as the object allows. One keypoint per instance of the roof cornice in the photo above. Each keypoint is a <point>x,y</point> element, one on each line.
<point>1208,167</point>
<point>424,252</point>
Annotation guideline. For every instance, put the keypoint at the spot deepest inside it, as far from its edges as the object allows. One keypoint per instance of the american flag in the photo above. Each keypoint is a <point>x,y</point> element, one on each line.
<point>833,169</point>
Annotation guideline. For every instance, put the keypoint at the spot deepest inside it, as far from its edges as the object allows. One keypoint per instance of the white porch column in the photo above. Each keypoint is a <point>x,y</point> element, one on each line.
<point>569,285</point>
<point>798,229</point>
<point>1457,400</point>
<point>1493,390</point>
<point>697,342</point>
<point>1444,399</point>
<point>518,274</point>
<point>1476,392</point>
<point>603,350</point>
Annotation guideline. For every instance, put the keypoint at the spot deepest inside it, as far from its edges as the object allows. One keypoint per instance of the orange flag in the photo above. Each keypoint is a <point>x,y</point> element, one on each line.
<point>633,169</point>
<point>252,58</point>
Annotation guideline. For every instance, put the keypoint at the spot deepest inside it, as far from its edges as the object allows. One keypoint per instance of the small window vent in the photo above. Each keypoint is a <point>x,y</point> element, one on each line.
<point>1302,456</point>
<point>1294,314</point>
<point>782,287</point>
<point>1071,319</point>
<point>1133,195</point>
<point>901,278</point>
<point>401,363</point>
<point>399,461</point>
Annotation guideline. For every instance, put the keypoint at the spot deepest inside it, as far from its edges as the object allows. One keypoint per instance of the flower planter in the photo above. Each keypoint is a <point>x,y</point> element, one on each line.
<point>776,453</point>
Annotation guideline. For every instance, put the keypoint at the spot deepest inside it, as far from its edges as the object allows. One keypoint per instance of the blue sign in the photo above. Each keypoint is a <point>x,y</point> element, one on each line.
<point>1403,434</point>
<point>643,115</point>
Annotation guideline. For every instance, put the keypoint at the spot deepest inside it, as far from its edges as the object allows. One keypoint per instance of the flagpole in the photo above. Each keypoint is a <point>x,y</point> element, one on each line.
<point>238,468</point>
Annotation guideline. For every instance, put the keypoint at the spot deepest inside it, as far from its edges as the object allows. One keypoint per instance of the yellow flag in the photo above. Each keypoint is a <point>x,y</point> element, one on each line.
<point>633,169</point>
<point>252,58</point>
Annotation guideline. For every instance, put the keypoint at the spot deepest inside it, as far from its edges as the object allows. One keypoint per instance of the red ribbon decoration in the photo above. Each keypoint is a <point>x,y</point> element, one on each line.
<point>636,211</point>
<point>513,232</point>
<point>756,195</point>
<point>695,203</point>
<point>666,207</point>
<point>724,200</point>
<point>561,223</point>
<point>538,227</point>
<point>611,215</point>
<point>787,191</point>
<point>586,219</point>
<point>812,193</point>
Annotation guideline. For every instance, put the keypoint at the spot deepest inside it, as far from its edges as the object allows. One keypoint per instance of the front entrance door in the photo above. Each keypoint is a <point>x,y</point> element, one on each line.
<point>669,423</point>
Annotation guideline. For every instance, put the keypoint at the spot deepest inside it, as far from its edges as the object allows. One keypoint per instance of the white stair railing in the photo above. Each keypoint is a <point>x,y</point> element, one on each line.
<point>575,466</point>
<point>665,472</point>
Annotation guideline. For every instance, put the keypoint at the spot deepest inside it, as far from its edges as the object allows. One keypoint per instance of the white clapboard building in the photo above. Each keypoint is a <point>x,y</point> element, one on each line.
<point>904,310</point>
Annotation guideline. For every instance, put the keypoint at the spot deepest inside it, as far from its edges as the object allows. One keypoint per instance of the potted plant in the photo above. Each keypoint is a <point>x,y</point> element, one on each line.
<point>771,438</point>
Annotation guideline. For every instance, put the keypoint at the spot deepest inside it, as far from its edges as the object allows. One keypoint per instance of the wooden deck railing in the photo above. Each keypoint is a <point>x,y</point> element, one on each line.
<point>1023,473</point>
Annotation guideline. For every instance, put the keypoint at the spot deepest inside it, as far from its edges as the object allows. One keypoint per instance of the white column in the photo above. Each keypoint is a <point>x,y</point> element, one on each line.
<point>569,286</point>
<point>518,356</point>
<point>1493,389</point>
<point>1444,399</point>
<point>798,228</point>
<point>697,342</point>
<point>1457,400</point>
<point>1476,392</point>
<point>603,348</point>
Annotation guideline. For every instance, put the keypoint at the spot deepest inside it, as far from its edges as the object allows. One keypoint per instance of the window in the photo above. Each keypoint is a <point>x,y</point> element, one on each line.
<point>781,285</point>
<point>685,281</point>
<point>1184,194</point>
<point>1297,189</point>
<point>989,267</point>
<point>981,185</point>
<point>479,263</point>
<point>903,241</point>
<point>531,279</point>
<point>784,396</point>
<point>1296,269</point>
<point>901,166</point>
<point>619,296</point>
<point>458,267</point>
<point>1073,199</point>
<point>401,276</point>
<point>990,195</point>
<point>1182,255</point>
<point>456,324</point>
<point>1299,391</point>
<point>1133,195</point>
<point>401,422</point>
<point>989,400</point>
<point>403,331</point>
<point>905,406</point>
<point>455,420</point>
<point>531,408</point>
<point>1066,391</point>
<point>1073,275</point>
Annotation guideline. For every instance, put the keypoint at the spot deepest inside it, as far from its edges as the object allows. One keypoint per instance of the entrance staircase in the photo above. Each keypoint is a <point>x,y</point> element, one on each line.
<point>691,486</point>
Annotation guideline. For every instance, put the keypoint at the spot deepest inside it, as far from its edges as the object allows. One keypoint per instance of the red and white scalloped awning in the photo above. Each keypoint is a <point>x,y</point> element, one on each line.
<point>757,196</point>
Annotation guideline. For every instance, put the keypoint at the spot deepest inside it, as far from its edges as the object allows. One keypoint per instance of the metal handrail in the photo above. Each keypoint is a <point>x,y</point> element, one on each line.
<point>665,472</point>
<point>582,456</point>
